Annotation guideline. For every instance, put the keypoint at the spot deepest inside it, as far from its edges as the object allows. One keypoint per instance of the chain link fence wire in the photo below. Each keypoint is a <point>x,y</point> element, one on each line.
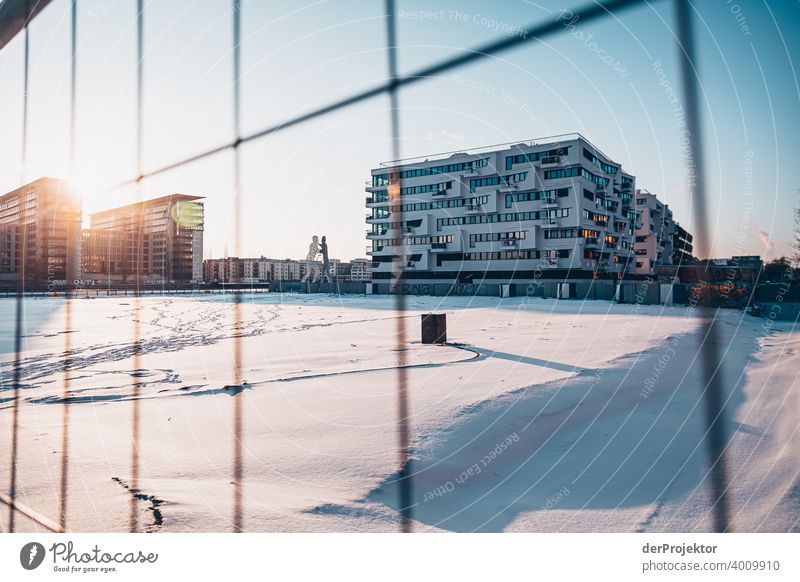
<point>684,12</point>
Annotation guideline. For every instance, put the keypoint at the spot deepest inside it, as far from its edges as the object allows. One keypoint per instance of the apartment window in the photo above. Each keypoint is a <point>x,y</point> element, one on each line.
<point>595,216</point>
<point>599,180</point>
<point>412,240</point>
<point>497,180</point>
<point>516,255</point>
<point>477,200</point>
<point>535,195</point>
<point>425,188</point>
<point>535,156</point>
<point>560,233</point>
<point>380,180</point>
<point>561,173</point>
<point>606,203</point>
<point>496,236</point>
<point>607,168</point>
<point>445,168</point>
<point>574,172</point>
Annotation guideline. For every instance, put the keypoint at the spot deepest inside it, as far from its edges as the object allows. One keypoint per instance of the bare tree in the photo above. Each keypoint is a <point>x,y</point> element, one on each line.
<point>796,240</point>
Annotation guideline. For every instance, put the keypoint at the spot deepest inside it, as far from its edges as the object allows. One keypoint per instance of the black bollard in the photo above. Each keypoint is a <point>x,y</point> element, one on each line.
<point>434,328</point>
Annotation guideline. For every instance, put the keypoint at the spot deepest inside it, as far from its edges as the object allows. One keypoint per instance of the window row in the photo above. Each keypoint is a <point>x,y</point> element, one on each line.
<point>496,236</point>
<point>535,156</point>
<point>497,180</point>
<point>425,188</point>
<point>385,179</point>
<point>574,172</point>
<point>506,217</point>
<point>385,211</point>
<point>412,240</point>
<point>607,168</point>
<point>571,233</point>
<point>595,216</point>
<point>517,255</point>
<point>535,195</point>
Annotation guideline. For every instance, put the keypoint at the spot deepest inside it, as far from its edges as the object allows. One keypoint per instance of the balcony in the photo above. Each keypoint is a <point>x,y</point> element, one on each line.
<point>437,246</point>
<point>551,160</point>
<point>510,242</point>
<point>550,203</point>
<point>473,207</point>
<point>591,242</point>
<point>440,193</point>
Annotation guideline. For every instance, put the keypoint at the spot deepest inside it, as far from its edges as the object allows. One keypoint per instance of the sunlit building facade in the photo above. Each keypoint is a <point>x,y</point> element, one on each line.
<point>40,234</point>
<point>157,241</point>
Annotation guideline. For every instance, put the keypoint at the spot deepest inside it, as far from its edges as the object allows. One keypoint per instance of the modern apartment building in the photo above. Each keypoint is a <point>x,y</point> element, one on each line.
<point>682,248</point>
<point>655,228</point>
<point>155,241</point>
<point>40,233</point>
<point>659,239</point>
<point>552,208</point>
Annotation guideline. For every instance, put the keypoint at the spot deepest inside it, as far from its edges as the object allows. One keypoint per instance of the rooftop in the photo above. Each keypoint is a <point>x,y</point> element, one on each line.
<point>149,202</point>
<point>552,139</point>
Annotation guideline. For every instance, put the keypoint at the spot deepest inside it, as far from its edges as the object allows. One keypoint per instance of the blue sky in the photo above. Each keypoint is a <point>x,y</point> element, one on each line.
<point>598,79</point>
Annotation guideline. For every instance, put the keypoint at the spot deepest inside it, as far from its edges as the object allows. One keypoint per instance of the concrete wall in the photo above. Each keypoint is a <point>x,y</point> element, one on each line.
<point>342,288</point>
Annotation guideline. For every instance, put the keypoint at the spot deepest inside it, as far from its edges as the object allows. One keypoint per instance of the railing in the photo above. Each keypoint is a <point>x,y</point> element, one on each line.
<point>532,34</point>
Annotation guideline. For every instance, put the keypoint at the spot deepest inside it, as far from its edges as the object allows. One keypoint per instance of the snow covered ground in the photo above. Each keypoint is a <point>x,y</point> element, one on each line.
<point>546,416</point>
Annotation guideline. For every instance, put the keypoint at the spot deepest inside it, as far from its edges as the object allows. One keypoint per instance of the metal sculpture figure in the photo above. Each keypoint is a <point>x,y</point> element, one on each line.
<point>326,269</point>
<point>311,263</point>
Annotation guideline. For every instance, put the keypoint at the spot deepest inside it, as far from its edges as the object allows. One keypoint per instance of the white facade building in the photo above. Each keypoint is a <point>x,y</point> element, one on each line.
<point>361,270</point>
<point>286,270</point>
<point>553,208</point>
<point>658,239</point>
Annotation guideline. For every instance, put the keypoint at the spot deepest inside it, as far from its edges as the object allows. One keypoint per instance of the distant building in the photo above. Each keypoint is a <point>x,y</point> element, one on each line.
<point>40,233</point>
<point>261,270</point>
<point>547,209</point>
<point>226,270</point>
<point>256,270</point>
<point>154,241</point>
<point>237,270</point>
<point>361,270</point>
<point>286,270</point>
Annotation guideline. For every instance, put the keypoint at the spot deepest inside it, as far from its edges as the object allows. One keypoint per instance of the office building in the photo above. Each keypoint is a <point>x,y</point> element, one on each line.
<point>157,241</point>
<point>40,234</point>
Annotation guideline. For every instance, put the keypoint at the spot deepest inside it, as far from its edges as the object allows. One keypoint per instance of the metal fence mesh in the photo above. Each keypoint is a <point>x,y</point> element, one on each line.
<point>395,83</point>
